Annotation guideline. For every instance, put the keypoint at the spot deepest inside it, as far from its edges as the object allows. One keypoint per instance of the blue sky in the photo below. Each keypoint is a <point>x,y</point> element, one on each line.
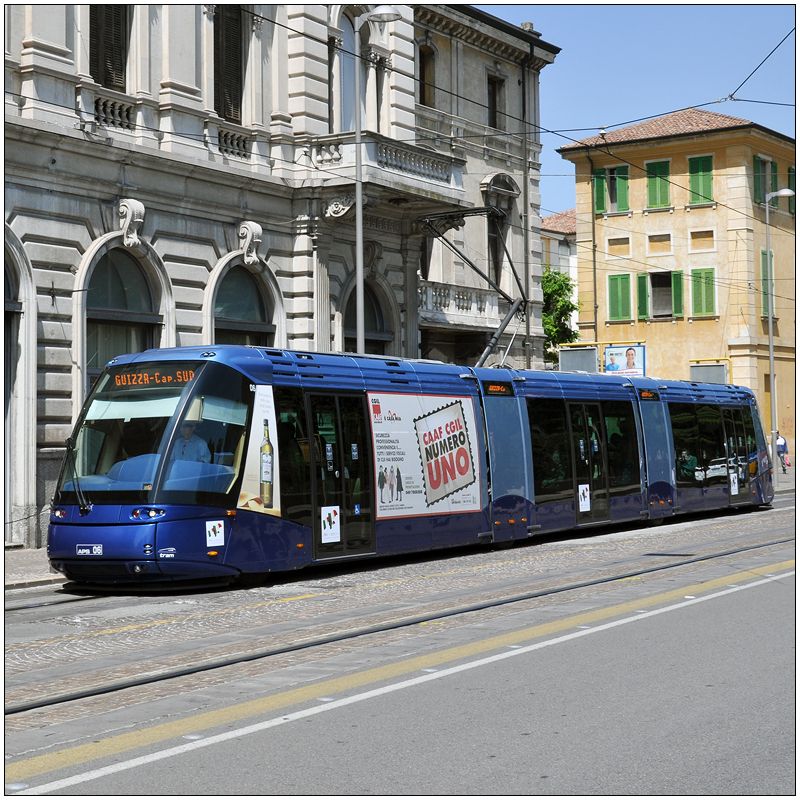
<point>619,63</point>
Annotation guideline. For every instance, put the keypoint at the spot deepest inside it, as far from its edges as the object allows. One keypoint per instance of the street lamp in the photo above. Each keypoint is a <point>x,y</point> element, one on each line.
<point>378,14</point>
<point>773,401</point>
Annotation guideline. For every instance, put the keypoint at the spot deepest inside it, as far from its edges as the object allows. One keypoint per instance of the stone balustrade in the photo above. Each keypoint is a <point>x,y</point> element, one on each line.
<point>442,303</point>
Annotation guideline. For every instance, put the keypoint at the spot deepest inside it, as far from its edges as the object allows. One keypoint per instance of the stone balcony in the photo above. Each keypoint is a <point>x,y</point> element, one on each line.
<point>391,164</point>
<point>445,305</point>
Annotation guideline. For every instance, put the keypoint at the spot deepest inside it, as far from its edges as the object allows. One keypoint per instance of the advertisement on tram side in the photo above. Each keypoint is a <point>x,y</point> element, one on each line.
<point>261,489</point>
<point>424,448</point>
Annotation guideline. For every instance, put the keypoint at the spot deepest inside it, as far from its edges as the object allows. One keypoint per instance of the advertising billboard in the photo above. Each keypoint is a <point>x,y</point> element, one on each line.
<point>425,448</point>
<point>625,360</point>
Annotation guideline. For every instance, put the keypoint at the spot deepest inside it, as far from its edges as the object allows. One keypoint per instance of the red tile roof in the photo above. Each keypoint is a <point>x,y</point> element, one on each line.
<point>562,223</point>
<point>678,123</point>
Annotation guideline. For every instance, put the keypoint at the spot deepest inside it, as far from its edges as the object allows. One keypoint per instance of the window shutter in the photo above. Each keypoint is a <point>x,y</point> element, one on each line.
<point>703,292</point>
<point>108,45</point>
<point>658,185</point>
<point>758,188</point>
<point>700,180</point>
<point>792,182</point>
<point>115,49</point>
<point>599,191</point>
<point>774,168</point>
<point>622,189</point>
<point>642,281</point>
<point>677,294</point>
<point>228,62</point>
<point>94,42</point>
<point>619,297</point>
<point>625,296</point>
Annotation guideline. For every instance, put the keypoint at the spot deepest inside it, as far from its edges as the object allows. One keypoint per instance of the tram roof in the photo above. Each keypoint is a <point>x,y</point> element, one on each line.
<point>385,373</point>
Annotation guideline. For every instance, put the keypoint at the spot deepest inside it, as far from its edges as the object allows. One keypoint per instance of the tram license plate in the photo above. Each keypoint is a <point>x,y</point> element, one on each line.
<point>89,549</point>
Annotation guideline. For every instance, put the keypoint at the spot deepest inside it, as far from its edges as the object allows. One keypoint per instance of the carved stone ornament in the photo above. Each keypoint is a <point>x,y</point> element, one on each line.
<point>131,213</point>
<point>342,205</point>
<point>339,206</point>
<point>249,238</point>
<point>372,253</point>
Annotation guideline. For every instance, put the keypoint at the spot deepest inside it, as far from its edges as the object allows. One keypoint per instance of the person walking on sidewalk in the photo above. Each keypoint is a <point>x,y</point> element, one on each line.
<point>782,449</point>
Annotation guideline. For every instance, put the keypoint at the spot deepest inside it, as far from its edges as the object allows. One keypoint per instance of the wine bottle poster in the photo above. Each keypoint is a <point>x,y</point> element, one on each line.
<point>255,494</point>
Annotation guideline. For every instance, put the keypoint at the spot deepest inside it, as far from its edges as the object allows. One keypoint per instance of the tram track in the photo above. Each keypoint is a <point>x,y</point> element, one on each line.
<point>383,628</point>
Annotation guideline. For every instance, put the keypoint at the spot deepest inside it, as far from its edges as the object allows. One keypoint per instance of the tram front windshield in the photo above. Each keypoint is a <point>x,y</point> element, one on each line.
<point>170,432</point>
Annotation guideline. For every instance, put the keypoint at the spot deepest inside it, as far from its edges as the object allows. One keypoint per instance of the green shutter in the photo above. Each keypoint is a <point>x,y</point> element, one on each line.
<point>758,188</point>
<point>700,180</point>
<point>658,184</point>
<point>792,182</point>
<point>613,297</point>
<point>774,168</point>
<point>677,294</point>
<point>622,189</point>
<point>599,191</point>
<point>642,296</point>
<point>703,292</point>
<point>619,297</point>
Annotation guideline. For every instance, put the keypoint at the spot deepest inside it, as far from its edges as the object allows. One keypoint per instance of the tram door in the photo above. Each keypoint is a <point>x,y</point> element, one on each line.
<point>589,456</point>
<point>736,445</point>
<point>344,503</point>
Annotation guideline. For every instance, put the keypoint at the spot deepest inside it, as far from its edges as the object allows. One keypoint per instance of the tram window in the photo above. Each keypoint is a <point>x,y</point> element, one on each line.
<point>550,445</point>
<point>623,448</point>
<point>686,439</point>
<point>293,456</point>
<point>712,443</point>
<point>209,472</point>
<point>752,447</point>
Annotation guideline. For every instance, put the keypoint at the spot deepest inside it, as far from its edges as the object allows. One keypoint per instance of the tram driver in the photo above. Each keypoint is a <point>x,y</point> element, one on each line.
<point>192,447</point>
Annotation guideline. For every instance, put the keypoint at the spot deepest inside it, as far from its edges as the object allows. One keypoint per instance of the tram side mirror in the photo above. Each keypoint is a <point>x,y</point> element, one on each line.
<point>195,412</point>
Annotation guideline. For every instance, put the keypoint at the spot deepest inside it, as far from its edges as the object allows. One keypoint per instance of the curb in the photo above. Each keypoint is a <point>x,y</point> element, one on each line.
<point>35,582</point>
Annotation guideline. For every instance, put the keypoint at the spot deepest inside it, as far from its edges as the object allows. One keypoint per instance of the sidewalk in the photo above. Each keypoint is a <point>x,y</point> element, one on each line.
<point>31,568</point>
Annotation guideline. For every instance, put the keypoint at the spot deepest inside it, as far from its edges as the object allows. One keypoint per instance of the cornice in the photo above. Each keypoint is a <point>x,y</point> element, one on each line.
<point>445,21</point>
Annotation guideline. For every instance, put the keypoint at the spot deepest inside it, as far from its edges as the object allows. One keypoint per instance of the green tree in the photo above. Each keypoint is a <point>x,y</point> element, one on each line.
<point>556,310</point>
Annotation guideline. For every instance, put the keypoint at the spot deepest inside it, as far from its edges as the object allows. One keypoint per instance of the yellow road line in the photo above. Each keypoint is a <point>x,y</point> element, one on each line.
<point>126,742</point>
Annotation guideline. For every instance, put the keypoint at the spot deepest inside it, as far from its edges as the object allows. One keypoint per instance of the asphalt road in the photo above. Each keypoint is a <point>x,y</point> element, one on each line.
<point>677,683</point>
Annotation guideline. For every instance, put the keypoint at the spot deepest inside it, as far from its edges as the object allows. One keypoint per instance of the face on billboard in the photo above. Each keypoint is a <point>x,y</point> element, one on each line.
<point>625,360</point>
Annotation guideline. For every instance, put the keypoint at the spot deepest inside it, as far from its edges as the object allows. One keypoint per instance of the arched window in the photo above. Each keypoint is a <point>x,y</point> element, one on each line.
<point>241,314</point>
<point>119,311</point>
<point>500,191</point>
<point>376,337</point>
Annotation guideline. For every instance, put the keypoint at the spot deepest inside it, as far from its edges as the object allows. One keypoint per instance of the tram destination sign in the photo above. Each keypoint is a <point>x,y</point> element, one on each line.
<point>154,375</point>
<point>424,454</point>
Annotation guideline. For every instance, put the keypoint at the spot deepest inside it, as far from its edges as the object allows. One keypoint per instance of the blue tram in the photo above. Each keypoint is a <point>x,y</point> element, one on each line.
<point>197,463</point>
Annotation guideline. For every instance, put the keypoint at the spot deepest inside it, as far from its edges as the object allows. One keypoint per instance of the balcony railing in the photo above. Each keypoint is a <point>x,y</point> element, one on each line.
<point>337,151</point>
<point>467,307</point>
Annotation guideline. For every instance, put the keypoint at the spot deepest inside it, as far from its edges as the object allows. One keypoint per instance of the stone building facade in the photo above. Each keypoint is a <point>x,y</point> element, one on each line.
<point>184,174</point>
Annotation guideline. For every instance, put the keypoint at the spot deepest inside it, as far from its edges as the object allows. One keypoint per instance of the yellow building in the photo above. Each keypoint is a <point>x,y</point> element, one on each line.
<point>672,239</point>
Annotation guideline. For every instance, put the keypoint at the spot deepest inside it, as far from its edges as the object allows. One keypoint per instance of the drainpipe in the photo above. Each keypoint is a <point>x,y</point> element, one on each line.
<point>594,243</point>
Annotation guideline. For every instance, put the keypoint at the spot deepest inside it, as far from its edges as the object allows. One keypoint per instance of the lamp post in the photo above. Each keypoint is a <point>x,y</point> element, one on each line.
<point>773,401</point>
<point>378,14</point>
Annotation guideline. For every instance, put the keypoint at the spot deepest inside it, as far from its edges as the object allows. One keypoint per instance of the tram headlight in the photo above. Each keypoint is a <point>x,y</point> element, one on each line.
<point>147,513</point>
